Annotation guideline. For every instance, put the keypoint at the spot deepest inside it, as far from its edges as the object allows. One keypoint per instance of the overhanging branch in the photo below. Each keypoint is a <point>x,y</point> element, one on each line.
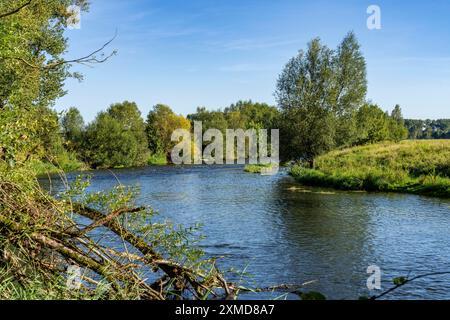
<point>91,58</point>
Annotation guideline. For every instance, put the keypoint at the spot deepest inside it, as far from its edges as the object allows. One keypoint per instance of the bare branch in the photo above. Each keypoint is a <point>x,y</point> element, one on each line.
<point>90,58</point>
<point>86,60</point>
<point>406,281</point>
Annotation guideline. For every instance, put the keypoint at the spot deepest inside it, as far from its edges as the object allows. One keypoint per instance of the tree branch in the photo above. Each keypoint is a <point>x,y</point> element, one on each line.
<point>7,14</point>
<point>408,281</point>
<point>86,60</point>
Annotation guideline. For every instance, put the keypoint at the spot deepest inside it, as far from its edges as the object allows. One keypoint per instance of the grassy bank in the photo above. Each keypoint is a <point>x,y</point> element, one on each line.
<point>63,164</point>
<point>419,167</point>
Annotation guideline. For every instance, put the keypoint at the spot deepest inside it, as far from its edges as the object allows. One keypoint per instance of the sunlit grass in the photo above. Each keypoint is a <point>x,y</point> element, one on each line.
<point>420,167</point>
<point>157,160</point>
<point>257,168</point>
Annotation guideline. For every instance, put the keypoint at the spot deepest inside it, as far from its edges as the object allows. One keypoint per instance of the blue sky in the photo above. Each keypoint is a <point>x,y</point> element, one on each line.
<point>214,52</point>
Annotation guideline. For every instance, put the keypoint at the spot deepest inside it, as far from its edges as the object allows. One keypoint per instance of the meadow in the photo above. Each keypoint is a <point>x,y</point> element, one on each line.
<point>418,167</point>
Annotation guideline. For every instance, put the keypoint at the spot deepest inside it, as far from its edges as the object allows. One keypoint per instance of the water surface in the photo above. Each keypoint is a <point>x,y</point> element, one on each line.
<point>283,233</point>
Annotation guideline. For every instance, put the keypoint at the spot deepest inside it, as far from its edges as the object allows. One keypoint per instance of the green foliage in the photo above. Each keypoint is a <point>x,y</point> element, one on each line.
<point>256,168</point>
<point>428,129</point>
<point>157,160</point>
<point>116,138</point>
<point>374,125</point>
<point>32,43</point>
<point>64,162</point>
<point>420,167</point>
<point>161,123</point>
<point>241,115</point>
<point>400,281</point>
<point>319,92</point>
<point>311,296</point>
<point>212,119</point>
<point>32,73</point>
<point>73,128</point>
<point>251,115</point>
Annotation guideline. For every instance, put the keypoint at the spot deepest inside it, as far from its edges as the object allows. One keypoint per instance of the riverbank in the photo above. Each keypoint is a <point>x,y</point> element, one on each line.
<point>417,167</point>
<point>43,168</point>
<point>70,163</point>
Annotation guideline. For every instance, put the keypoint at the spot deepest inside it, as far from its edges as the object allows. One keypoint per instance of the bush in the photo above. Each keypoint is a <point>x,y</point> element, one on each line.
<point>157,160</point>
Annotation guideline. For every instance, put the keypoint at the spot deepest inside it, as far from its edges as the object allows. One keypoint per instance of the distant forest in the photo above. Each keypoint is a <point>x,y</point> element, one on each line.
<point>428,129</point>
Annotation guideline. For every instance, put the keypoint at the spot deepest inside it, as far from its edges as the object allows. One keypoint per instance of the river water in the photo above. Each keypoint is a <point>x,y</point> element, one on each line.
<point>280,232</point>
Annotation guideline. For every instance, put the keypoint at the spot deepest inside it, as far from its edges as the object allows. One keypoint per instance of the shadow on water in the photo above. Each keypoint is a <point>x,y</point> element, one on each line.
<point>283,233</point>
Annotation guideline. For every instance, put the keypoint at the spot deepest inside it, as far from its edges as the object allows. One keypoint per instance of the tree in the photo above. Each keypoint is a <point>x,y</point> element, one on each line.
<point>73,127</point>
<point>129,116</point>
<point>397,128</point>
<point>374,125</point>
<point>351,88</point>
<point>397,115</point>
<point>415,128</point>
<point>161,123</point>
<point>305,95</point>
<point>116,138</point>
<point>32,70</point>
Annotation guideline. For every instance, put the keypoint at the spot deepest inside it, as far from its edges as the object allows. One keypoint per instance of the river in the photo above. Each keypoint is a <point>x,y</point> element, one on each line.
<point>282,233</point>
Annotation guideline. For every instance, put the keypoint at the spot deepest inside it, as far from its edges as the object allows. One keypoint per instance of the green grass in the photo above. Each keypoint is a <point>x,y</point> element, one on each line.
<point>157,160</point>
<point>419,167</point>
<point>256,168</point>
<point>63,163</point>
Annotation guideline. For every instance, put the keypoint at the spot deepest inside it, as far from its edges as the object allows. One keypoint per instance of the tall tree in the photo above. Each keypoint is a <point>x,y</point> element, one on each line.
<point>32,70</point>
<point>319,93</point>
<point>351,88</point>
<point>397,115</point>
<point>305,95</point>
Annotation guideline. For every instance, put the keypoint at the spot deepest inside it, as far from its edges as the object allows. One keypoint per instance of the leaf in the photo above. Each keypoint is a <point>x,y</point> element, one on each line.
<point>312,295</point>
<point>400,281</point>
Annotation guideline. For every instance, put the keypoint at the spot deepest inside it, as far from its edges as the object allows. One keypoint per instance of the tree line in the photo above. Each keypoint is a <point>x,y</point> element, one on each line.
<point>321,99</point>
<point>428,129</point>
<point>119,136</point>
